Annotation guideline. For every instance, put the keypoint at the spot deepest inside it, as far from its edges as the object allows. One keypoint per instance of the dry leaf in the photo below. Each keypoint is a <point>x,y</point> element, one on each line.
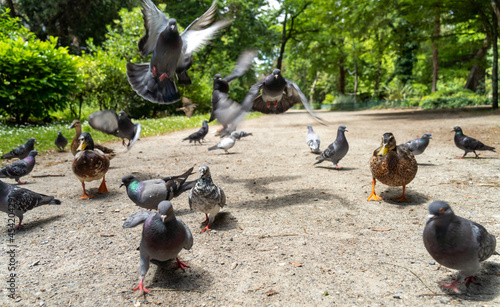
<point>381,229</point>
<point>296,264</point>
<point>271,292</point>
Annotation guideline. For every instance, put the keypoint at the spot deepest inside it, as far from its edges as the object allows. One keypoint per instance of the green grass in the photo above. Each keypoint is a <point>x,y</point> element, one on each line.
<point>13,136</point>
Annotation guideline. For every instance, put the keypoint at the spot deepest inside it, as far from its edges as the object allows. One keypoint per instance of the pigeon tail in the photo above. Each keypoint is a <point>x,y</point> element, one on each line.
<point>145,84</point>
<point>319,160</point>
<point>187,186</point>
<point>8,155</point>
<point>213,147</point>
<point>183,78</point>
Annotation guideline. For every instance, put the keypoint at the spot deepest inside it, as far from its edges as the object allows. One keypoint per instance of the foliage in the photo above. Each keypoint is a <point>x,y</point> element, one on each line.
<point>398,91</point>
<point>453,98</point>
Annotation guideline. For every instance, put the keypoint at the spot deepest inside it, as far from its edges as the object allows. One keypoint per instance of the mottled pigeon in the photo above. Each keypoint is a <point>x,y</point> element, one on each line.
<point>60,141</point>
<point>187,106</point>
<point>468,144</point>
<point>19,168</point>
<point>456,242</point>
<point>172,53</point>
<point>16,200</point>
<point>147,194</point>
<point>337,150</point>
<point>312,140</point>
<point>163,237</point>
<point>238,134</point>
<point>206,197</point>
<point>417,146</point>
<point>121,126</point>
<point>22,151</point>
<point>199,135</point>
<point>225,143</point>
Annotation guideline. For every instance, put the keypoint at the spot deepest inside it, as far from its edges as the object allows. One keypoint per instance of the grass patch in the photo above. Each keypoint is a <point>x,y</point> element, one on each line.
<point>13,136</point>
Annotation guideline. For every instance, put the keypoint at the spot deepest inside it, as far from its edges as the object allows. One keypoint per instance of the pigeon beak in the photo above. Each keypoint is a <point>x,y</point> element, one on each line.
<point>384,150</point>
<point>346,130</point>
<point>163,217</point>
<point>430,137</point>
<point>82,146</point>
<point>172,27</point>
<point>121,185</point>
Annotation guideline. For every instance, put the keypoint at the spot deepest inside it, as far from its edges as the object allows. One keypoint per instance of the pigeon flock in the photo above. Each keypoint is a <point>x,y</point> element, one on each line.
<point>452,241</point>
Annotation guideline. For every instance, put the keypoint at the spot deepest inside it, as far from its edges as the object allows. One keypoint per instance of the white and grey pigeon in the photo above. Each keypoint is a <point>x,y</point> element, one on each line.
<point>19,168</point>
<point>312,140</point>
<point>226,143</point>
<point>456,242</point>
<point>148,193</point>
<point>22,151</point>
<point>163,237</point>
<point>172,53</point>
<point>417,146</point>
<point>206,197</point>
<point>119,125</point>
<point>16,200</point>
<point>336,150</point>
<point>60,141</point>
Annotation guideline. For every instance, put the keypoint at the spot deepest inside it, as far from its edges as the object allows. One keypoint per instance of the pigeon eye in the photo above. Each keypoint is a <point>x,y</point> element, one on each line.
<point>442,210</point>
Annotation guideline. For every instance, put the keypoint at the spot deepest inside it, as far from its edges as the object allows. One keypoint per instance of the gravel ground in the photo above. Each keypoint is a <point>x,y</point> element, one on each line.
<point>292,233</point>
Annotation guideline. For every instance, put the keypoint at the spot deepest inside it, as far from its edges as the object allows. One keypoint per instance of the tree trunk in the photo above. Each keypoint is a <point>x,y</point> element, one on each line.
<point>12,12</point>
<point>476,74</point>
<point>313,88</point>
<point>355,78</point>
<point>283,42</point>
<point>379,64</point>
<point>341,85</point>
<point>435,50</point>
<point>494,74</point>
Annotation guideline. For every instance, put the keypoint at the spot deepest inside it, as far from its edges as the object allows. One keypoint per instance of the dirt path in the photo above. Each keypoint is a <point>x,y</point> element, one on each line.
<point>292,233</point>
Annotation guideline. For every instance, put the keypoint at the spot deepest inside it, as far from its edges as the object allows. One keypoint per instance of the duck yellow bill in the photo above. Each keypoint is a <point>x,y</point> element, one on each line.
<point>383,151</point>
<point>82,146</point>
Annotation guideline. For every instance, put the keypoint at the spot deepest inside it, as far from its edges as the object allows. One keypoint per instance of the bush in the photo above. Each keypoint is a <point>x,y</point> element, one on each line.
<point>453,98</point>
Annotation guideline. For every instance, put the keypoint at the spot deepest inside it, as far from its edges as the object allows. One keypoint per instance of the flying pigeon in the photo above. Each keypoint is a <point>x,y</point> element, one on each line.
<point>60,141</point>
<point>22,151</point>
<point>16,200</point>
<point>456,242</point>
<point>172,53</point>
<point>225,143</point>
<point>336,150</point>
<point>19,168</point>
<point>224,109</point>
<point>238,134</point>
<point>312,140</point>
<point>417,146</point>
<point>187,106</point>
<point>118,125</point>
<point>147,194</point>
<point>206,197</point>
<point>163,237</point>
<point>198,135</point>
<point>468,144</point>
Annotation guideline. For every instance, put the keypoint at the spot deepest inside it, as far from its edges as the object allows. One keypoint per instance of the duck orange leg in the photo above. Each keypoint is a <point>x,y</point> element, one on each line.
<point>85,195</point>
<point>402,197</point>
<point>102,187</point>
<point>374,196</point>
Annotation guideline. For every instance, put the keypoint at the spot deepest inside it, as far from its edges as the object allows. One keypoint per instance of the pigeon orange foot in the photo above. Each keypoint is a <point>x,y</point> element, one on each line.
<point>141,287</point>
<point>206,228</point>
<point>452,286</point>
<point>181,264</point>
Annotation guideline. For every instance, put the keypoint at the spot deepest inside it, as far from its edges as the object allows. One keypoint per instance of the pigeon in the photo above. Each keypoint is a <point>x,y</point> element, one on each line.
<point>456,242</point>
<point>163,237</point>
<point>238,134</point>
<point>336,150</point>
<point>206,197</point>
<point>199,135</point>
<point>147,194</point>
<point>19,168</point>
<point>172,53</point>
<point>468,144</point>
<point>22,151</point>
<point>121,126</point>
<point>224,109</point>
<point>312,140</point>
<point>278,95</point>
<point>60,141</point>
<point>187,106</point>
<point>225,143</point>
<point>16,201</point>
<point>77,125</point>
<point>417,146</point>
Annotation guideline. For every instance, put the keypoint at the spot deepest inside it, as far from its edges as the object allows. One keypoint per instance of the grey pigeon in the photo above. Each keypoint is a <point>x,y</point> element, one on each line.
<point>147,194</point>
<point>312,140</point>
<point>187,106</point>
<point>172,53</point>
<point>224,109</point>
<point>337,150</point>
<point>199,135</point>
<point>238,134</point>
<point>19,168</point>
<point>16,200</point>
<point>163,237</point>
<point>417,146</point>
<point>225,143</point>
<point>121,126</point>
<point>206,197</point>
<point>456,243</point>
<point>468,144</point>
<point>22,151</point>
<point>60,141</point>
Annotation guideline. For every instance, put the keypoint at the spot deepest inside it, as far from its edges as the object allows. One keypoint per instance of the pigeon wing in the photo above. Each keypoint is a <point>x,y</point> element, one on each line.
<point>155,22</point>
<point>242,65</point>
<point>105,121</point>
<point>138,218</point>
<point>293,95</point>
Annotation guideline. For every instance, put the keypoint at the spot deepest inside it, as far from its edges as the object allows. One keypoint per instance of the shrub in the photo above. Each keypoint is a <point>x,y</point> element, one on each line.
<point>453,98</point>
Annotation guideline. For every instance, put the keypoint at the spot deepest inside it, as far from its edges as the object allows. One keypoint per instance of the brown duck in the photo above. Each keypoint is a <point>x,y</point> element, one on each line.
<point>90,164</point>
<point>392,165</point>
<point>77,125</point>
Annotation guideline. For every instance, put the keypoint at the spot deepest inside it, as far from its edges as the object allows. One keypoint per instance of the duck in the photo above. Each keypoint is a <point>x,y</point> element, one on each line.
<point>392,165</point>
<point>77,125</point>
<point>90,164</point>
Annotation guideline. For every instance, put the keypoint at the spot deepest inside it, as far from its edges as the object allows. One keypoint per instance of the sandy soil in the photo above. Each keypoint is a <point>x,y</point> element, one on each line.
<point>291,234</point>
